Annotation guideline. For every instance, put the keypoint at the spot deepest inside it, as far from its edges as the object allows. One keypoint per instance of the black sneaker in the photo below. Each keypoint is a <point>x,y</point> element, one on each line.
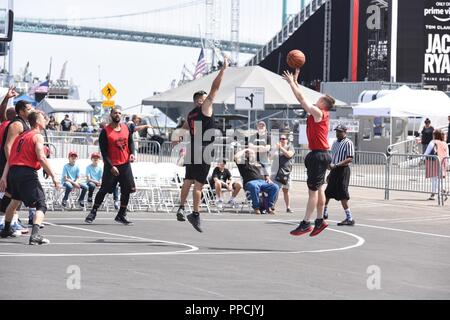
<point>180,214</point>
<point>303,227</point>
<point>5,233</point>
<point>91,216</point>
<point>325,216</point>
<point>81,203</point>
<point>346,222</point>
<point>194,219</point>
<point>38,239</point>
<point>120,218</point>
<point>288,210</point>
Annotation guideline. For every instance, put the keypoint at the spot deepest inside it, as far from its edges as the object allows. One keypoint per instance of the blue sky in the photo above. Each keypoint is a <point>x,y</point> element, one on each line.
<point>135,69</point>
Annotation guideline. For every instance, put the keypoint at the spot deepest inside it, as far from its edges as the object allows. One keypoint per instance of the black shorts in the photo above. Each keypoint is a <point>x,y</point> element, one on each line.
<point>197,172</point>
<point>317,163</point>
<point>24,185</point>
<point>125,179</point>
<point>338,181</point>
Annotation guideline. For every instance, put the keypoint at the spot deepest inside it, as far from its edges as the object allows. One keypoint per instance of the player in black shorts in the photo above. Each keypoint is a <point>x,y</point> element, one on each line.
<point>18,125</point>
<point>200,122</point>
<point>117,148</point>
<point>20,175</point>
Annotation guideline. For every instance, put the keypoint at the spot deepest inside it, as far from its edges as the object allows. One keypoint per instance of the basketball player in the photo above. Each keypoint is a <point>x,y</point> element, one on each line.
<point>199,121</point>
<point>18,125</point>
<point>318,159</point>
<point>117,148</point>
<point>27,156</point>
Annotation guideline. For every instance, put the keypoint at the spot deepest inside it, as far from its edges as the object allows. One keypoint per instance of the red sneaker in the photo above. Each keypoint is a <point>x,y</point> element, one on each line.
<point>319,226</point>
<point>303,227</point>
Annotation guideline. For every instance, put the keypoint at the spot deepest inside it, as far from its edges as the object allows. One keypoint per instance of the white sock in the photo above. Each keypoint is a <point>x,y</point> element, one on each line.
<point>348,214</point>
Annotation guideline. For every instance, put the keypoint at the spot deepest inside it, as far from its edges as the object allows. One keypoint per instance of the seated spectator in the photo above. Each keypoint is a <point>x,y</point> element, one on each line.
<point>221,179</point>
<point>70,175</point>
<point>254,182</point>
<point>94,174</point>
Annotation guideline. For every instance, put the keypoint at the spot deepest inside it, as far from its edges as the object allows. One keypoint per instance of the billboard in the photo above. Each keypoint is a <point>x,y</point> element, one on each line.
<point>436,15</point>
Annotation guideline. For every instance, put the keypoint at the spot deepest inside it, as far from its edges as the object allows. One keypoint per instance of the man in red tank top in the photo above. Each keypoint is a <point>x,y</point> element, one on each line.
<point>117,148</point>
<point>318,160</point>
<point>20,175</point>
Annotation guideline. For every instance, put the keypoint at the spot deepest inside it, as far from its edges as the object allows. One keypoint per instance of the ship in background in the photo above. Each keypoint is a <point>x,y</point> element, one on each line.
<point>34,89</point>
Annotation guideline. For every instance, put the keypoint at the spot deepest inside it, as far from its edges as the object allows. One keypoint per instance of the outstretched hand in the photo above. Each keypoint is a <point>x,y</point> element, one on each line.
<point>288,76</point>
<point>226,62</point>
<point>11,92</point>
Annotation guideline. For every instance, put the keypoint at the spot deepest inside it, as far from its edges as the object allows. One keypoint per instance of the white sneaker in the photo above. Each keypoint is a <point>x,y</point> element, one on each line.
<point>116,205</point>
<point>220,204</point>
<point>233,203</point>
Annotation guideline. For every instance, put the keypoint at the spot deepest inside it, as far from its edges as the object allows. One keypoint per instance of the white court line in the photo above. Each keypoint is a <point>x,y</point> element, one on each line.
<point>401,230</point>
<point>359,243</point>
<point>409,219</point>
<point>421,220</point>
<point>193,249</point>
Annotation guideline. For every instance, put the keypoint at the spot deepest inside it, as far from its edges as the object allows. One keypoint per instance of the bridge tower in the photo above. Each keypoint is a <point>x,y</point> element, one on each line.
<point>235,16</point>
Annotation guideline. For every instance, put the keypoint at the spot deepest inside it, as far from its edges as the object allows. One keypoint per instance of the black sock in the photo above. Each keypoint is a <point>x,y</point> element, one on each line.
<point>196,213</point>
<point>122,211</point>
<point>35,230</point>
<point>181,207</point>
<point>7,225</point>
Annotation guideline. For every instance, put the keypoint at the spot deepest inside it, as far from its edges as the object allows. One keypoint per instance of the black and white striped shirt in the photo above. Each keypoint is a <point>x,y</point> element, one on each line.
<point>342,150</point>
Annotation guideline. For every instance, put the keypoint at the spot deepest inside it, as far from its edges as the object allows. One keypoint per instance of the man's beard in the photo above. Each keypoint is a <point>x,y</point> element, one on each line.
<point>116,120</point>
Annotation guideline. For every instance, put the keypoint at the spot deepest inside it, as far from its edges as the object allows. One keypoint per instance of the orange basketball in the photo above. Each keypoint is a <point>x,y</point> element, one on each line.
<point>296,59</point>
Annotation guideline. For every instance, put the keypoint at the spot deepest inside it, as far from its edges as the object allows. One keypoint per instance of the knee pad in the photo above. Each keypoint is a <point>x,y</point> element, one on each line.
<point>4,203</point>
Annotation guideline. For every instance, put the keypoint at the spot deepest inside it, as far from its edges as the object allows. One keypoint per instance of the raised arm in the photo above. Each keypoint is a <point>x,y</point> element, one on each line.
<point>207,108</point>
<point>4,105</point>
<point>306,104</point>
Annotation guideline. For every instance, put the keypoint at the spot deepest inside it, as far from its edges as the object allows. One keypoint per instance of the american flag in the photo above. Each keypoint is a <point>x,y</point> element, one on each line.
<point>200,69</point>
<point>42,88</point>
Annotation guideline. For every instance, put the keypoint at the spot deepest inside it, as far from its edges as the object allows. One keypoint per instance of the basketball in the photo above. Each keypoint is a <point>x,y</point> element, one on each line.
<point>296,59</point>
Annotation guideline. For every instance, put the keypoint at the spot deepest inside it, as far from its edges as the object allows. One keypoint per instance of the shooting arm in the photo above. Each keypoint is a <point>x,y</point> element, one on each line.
<point>207,105</point>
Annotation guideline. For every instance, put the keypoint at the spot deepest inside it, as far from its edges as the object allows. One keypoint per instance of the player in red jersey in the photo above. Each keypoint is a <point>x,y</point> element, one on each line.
<point>26,157</point>
<point>117,148</point>
<point>318,159</point>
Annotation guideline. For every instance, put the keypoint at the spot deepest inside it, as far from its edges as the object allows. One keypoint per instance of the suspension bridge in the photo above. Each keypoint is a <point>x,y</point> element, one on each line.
<point>197,23</point>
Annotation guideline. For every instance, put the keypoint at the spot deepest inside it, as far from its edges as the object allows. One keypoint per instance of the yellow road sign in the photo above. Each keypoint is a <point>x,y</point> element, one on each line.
<point>108,103</point>
<point>109,91</point>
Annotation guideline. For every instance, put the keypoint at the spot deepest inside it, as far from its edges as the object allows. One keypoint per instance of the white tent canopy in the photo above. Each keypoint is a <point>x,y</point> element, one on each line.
<point>50,106</point>
<point>147,111</point>
<point>278,94</point>
<point>405,102</point>
<point>80,111</point>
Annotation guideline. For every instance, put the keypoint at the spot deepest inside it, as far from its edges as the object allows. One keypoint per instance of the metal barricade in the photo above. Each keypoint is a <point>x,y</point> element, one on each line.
<point>414,173</point>
<point>83,145</point>
<point>147,150</point>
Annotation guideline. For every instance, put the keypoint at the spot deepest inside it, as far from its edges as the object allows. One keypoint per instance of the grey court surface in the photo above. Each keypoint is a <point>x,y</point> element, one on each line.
<point>399,249</point>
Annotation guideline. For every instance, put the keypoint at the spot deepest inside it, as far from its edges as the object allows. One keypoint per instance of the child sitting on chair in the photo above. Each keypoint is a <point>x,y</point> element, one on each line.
<point>70,175</point>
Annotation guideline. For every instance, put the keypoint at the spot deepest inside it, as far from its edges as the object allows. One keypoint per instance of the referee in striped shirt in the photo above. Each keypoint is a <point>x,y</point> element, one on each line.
<point>342,153</point>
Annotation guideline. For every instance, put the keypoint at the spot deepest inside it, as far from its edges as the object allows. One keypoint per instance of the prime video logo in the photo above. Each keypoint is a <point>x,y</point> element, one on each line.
<point>440,14</point>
